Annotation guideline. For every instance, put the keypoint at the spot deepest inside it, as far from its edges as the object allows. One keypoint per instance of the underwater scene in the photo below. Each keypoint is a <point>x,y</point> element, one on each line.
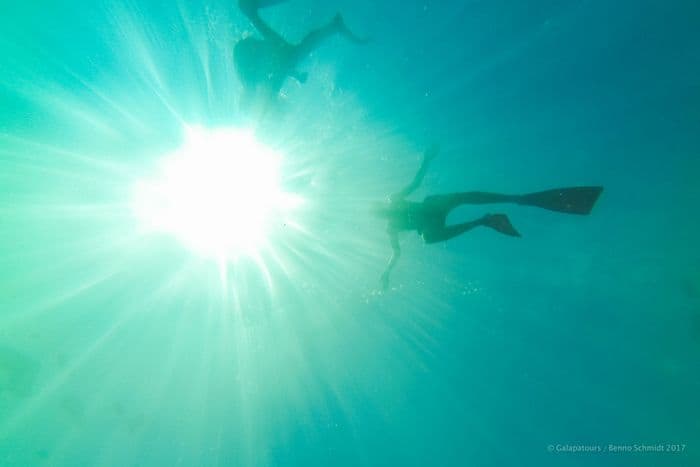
<point>349,233</point>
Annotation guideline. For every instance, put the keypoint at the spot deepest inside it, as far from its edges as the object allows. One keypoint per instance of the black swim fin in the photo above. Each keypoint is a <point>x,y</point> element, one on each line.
<point>575,200</point>
<point>500,223</point>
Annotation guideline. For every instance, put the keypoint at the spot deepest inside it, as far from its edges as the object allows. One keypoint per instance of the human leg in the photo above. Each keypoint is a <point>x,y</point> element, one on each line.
<point>452,200</point>
<point>250,9</point>
<point>498,222</point>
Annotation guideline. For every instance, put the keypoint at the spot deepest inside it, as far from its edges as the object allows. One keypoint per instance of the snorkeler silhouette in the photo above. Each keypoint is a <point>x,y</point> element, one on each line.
<point>264,64</point>
<point>428,217</point>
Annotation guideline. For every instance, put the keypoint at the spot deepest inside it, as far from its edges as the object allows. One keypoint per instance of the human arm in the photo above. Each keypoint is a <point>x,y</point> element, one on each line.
<point>395,254</point>
<point>428,156</point>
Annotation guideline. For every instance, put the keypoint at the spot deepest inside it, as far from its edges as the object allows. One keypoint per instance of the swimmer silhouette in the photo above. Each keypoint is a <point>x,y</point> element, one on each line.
<point>428,217</point>
<point>264,64</point>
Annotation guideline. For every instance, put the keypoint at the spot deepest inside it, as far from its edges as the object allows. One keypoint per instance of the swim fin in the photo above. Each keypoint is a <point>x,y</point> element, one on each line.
<point>575,200</point>
<point>500,223</point>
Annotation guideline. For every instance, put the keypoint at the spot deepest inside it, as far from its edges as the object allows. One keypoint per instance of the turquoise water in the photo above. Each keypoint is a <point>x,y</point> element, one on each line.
<point>119,346</point>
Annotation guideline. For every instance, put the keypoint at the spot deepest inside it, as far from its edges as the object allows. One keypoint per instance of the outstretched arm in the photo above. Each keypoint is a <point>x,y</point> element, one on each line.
<point>396,253</point>
<point>428,156</point>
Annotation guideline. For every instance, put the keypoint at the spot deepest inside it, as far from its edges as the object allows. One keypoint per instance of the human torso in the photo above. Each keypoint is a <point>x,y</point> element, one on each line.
<point>407,215</point>
<point>262,62</point>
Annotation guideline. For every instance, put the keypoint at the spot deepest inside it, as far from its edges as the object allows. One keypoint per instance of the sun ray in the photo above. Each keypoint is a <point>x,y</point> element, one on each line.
<point>217,194</point>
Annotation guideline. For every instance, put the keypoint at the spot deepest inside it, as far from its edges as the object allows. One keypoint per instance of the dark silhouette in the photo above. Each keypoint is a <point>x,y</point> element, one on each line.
<point>264,64</point>
<point>428,217</point>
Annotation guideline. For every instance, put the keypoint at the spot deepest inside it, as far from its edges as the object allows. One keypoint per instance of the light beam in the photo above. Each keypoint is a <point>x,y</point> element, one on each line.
<point>219,193</point>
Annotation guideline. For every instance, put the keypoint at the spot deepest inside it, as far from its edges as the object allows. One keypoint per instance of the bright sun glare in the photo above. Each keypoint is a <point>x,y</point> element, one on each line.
<point>219,193</point>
